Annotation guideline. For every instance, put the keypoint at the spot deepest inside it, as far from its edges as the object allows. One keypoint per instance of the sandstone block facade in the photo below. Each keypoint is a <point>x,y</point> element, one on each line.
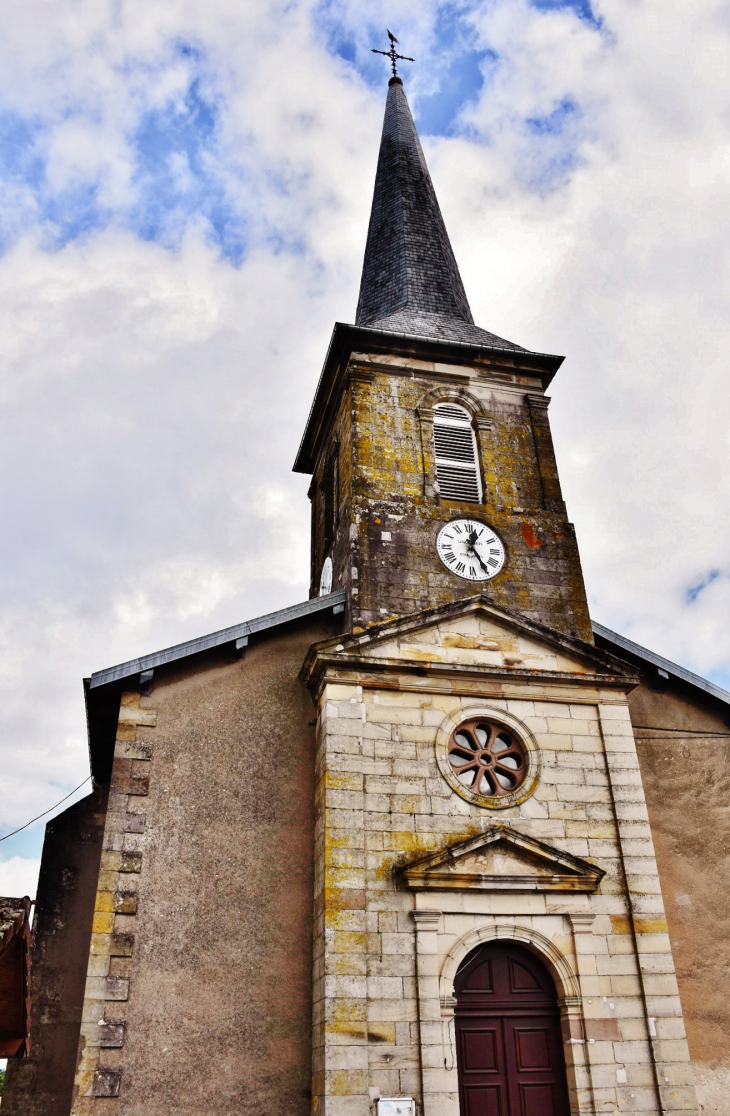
<point>386,955</point>
<point>377,507</point>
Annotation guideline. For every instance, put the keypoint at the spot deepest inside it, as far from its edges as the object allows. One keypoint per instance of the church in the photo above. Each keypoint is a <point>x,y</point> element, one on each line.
<point>431,843</point>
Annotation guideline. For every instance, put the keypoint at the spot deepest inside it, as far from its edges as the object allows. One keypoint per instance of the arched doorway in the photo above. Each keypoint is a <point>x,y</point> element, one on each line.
<point>509,1047</point>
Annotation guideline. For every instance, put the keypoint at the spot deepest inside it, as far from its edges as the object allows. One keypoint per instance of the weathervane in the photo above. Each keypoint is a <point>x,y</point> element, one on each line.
<point>391,54</point>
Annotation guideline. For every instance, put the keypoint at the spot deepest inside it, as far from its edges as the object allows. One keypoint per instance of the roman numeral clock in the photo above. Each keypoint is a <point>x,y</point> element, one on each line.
<point>470,549</point>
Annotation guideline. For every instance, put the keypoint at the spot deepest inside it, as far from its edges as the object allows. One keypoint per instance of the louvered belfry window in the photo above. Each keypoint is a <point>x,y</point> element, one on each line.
<point>457,467</point>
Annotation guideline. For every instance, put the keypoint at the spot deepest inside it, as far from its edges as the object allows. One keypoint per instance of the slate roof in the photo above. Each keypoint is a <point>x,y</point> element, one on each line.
<point>240,632</point>
<point>103,689</point>
<point>618,644</point>
<point>410,279</point>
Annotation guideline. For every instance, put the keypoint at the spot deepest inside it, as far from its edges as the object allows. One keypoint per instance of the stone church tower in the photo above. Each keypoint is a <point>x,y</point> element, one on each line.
<point>391,850</point>
<point>420,415</point>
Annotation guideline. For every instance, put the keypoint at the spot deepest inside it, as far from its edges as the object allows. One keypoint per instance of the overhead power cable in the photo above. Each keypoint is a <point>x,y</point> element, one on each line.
<point>45,811</point>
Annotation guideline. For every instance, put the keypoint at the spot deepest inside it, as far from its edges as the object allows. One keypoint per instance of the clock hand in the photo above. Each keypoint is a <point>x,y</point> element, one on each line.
<point>471,539</point>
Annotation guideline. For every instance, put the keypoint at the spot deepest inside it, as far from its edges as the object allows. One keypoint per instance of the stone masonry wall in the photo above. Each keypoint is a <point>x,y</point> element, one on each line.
<point>390,510</point>
<point>381,802</point>
<point>103,1023</point>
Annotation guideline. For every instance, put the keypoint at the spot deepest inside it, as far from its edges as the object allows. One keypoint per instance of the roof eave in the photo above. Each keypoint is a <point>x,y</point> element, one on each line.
<point>103,690</point>
<point>217,639</point>
<point>659,662</point>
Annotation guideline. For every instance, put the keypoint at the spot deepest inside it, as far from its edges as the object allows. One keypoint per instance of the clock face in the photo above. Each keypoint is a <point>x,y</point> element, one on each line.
<point>470,549</point>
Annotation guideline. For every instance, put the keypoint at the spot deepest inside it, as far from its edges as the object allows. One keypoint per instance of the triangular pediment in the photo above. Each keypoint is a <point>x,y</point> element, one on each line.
<point>474,633</point>
<point>502,859</point>
<point>477,639</point>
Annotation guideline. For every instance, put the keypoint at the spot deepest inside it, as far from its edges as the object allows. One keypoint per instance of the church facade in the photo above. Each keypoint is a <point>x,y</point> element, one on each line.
<point>428,843</point>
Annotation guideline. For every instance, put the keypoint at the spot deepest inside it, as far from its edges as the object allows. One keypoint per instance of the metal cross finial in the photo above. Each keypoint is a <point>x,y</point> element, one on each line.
<point>392,55</point>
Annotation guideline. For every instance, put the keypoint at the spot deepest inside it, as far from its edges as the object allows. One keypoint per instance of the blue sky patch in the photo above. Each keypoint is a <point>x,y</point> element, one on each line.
<point>582,9</point>
<point>178,174</point>
<point>183,174</point>
<point>440,82</point>
<point>459,73</point>
<point>553,141</point>
<point>450,73</point>
<point>694,591</point>
<point>20,160</point>
<point>554,123</point>
<point>72,213</point>
<point>178,170</point>
<point>460,83</point>
<point>27,844</point>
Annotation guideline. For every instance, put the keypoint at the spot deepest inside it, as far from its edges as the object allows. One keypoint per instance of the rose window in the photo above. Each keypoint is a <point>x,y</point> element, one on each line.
<point>486,758</point>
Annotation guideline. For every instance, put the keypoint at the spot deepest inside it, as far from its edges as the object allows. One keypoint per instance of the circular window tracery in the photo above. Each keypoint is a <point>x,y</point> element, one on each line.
<point>486,758</point>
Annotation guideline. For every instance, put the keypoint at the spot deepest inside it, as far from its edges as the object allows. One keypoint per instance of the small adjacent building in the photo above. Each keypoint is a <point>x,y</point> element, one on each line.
<point>14,977</point>
<point>430,842</point>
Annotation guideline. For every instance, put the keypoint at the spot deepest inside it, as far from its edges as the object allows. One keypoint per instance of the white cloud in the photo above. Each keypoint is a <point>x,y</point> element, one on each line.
<point>152,400</point>
<point>19,877</point>
<point>625,270</point>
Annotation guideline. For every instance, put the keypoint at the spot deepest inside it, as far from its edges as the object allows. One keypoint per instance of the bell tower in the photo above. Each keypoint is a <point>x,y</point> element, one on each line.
<point>420,420</point>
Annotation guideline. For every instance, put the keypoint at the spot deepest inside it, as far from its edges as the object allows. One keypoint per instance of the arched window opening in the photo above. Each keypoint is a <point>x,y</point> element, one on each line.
<point>325,580</point>
<point>457,464</point>
<point>330,499</point>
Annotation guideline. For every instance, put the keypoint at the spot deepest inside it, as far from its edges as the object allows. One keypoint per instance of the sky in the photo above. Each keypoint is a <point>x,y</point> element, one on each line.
<point>184,197</point>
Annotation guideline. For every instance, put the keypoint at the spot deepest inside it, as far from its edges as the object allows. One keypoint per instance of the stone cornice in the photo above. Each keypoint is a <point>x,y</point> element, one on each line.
<point>438,677</point>
<point>347,339</point>
<point>351,656</point>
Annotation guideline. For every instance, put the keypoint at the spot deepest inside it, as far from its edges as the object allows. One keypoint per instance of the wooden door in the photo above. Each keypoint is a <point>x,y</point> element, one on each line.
<point>508,1043</point>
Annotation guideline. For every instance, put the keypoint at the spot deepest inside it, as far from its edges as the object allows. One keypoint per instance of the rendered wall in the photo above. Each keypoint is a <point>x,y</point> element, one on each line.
<point>683,742</point>
<point>41,1084</point>
<point>201,967</point>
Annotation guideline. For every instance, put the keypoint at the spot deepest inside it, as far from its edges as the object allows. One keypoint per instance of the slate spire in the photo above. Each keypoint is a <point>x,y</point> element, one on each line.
<point>410,279</point>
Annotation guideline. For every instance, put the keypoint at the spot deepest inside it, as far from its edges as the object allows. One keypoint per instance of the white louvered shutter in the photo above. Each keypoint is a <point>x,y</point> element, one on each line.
<point>457,466</point>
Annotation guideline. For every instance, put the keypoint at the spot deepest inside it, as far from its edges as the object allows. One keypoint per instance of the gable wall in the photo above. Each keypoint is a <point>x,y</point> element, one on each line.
<point>475,640</point>
<point>201,957</point>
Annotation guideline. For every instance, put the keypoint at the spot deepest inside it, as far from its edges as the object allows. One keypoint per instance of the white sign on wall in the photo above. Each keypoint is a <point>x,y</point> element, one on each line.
<point>396,1106</point>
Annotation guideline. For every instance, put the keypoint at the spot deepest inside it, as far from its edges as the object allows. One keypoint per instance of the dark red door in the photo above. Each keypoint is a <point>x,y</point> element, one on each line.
<point>508,1044</point>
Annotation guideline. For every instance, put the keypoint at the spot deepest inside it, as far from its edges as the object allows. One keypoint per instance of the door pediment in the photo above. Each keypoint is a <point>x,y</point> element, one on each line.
<point>502,859</point>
